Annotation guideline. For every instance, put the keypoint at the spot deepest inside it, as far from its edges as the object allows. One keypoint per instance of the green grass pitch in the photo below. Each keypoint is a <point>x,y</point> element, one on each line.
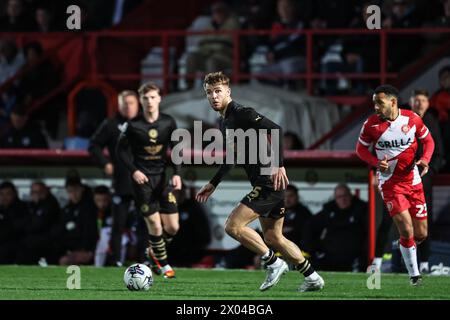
<point>25,283</point>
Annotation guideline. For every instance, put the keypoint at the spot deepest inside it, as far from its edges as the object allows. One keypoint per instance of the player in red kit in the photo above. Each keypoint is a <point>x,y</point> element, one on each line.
<point>393,132</point>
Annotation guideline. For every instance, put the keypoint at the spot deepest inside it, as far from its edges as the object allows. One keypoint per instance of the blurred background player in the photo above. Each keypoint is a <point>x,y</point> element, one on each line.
<point>394,133</point>
<point>106,136</point>
<point>142,147</point>
<point>265,201</point>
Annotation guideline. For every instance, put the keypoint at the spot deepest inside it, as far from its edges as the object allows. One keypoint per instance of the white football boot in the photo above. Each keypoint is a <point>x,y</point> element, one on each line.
<point>312,285</point>
<point>274,273</point>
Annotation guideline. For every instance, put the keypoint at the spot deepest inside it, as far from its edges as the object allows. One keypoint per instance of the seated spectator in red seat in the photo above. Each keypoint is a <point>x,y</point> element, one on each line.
<point>76,234</point>
<point>13,214</point>
<point>23,134</point>
<point>42,76</point>
<point>44,212</point>
<point>38,82</point>
<point>45,21</point>
<point>215,52</point>
<point>16,19</point>
<point>402,14</point>
<point>440,100</point>
<point>286,51</point>
<point>11,60</point>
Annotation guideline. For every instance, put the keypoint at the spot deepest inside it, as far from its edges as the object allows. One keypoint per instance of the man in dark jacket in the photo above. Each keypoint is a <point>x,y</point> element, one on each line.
<point>76,232</point>
<point>336,237</point>
<point>296,216</point>
<point>23,133</point>
<point>44,212</point>
<point>191,243</point>
<point>13,214</point>
<point>106,136</point>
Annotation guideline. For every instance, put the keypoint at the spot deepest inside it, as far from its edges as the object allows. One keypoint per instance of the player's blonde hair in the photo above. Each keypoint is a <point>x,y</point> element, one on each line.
<point>216,78</point>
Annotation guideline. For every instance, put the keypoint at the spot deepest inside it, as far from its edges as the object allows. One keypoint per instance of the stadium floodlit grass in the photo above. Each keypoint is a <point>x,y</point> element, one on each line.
<point>22,282</point>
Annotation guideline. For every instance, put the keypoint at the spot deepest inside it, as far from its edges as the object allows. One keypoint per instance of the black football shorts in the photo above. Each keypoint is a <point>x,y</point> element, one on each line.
<point>266,202</point>
<point>154,196</point>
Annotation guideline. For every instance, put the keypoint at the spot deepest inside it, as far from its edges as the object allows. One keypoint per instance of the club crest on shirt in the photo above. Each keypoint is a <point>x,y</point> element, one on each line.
<point>405,128</point>
<point>153,133</point>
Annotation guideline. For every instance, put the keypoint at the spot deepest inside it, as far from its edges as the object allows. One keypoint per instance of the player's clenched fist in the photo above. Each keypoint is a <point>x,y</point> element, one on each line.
<point>383,164</point>
<point>205,193</point>
<point>424,164</point>
<point>139,177</point>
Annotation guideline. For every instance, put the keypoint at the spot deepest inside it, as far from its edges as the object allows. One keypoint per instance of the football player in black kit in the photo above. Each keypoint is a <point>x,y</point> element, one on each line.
<point>265,201</point>
<point>142,147</point>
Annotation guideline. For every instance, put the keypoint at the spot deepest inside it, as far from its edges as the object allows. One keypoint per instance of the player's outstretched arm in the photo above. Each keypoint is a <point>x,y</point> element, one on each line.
<point>205,192</point>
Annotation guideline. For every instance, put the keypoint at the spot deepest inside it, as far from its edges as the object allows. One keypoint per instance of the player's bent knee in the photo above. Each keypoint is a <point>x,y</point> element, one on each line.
<point>232,230</point>
<point>272,239</point>
<point>172,230</point>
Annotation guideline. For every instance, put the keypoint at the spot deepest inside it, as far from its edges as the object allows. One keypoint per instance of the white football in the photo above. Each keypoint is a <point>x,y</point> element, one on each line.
<point>138,277</point>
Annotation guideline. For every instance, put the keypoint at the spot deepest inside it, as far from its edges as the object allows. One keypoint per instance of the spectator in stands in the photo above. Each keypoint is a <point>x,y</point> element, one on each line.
<point>215,52</point>
<point>13,213</point>
<point>102,200</point>
<point>444,20</point>
<point>41,78</point>
<point>440,101</point>
<point>44,212</point>
<point>296,216</point>
<point>39,81</point>
<point>75,236</point>
<point>292,142</point>
<point>286,51</point>
<point>23,134</point>
<point>402,14</point>
<point>191,242</point>
<point>441,98</point>
<point>331,13</point>
<point>336,236</point>
<point>45,21</point>
<point>16,19</point>
<point>106,136</point>
<point>11,60</point>
<point>351,54</point>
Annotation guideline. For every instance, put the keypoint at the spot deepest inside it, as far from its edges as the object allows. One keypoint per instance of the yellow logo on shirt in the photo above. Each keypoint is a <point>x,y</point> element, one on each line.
<point>153,133</point>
